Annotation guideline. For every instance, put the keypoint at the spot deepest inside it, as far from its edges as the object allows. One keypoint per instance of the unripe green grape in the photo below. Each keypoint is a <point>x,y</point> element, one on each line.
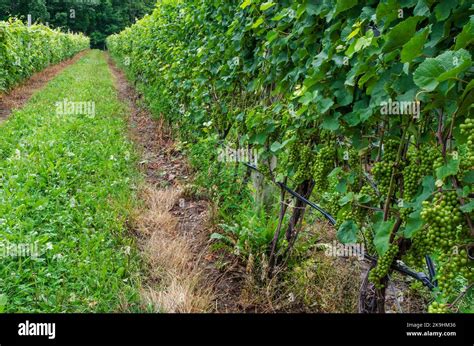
<point>322,166</point>
<point>445,235</point>
<point>383,266</point>
<point>438,308</point>
<point>419,164</point>
<point>382,173</point>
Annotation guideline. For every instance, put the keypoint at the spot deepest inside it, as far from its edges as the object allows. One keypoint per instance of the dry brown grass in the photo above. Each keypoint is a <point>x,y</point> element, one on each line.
<point>309,282</point>
<point>317,284</point>
<point>155,216</point>
<point>174,282</point>
<point>320,283</point>
<point>171,246</point>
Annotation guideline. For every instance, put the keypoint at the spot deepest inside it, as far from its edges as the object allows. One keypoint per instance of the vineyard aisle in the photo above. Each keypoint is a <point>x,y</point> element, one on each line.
<point>172,226</point>
<point>110,225</point>
<point>67,178</point>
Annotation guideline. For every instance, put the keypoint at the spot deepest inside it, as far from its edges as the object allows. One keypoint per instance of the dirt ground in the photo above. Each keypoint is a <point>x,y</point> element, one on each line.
<point>187,219</point>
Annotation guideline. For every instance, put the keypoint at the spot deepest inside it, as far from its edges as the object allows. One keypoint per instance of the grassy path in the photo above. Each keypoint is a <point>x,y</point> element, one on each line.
<point>66,188</point>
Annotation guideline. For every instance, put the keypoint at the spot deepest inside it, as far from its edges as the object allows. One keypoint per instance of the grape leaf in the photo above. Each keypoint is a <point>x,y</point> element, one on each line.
<point>414,224</point>
<point>414,47</point>
<point>443,9</point>
<point>458,62</point>
<point>382,235</point>
<point>387,12</point>
<point>266,5</point>
<point>347,198</point>
<point>467,208</point>
<point>344,5</point>
<point>245,4</point>
<point>277,145</point>
<point>466,36</point>
<point>468,177</point>
<point>347,233</point>
<point>450,168</point>
<point>401,33</point>
<point>432,71</point>
<point>258,22</point>
<point>330,123</point>
<point>324,104</point>
<point>421,9</point>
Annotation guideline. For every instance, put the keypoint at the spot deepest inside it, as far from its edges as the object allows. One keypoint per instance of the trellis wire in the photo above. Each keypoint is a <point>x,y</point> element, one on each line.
<point>399,267</point>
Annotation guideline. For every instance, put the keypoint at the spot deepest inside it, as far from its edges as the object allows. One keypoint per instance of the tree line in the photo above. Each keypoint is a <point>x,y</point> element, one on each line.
<point>96,18</point>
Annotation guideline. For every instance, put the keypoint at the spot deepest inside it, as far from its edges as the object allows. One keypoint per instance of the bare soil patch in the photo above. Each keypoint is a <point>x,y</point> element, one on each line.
<point>173,229</point>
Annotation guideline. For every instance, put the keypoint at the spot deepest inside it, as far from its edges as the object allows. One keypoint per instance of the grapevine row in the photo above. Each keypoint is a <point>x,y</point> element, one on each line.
<point>27,49</point>
<point>365,106</point>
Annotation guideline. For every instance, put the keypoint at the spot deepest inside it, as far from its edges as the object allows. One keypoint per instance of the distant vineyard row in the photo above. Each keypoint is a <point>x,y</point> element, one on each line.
<point>25,50</point>
<point>366,105</point>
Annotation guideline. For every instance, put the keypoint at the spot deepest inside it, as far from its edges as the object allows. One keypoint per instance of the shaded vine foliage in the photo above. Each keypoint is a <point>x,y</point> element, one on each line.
<point>309,83</point>
<point>25,50</point>
<point>95,18</point>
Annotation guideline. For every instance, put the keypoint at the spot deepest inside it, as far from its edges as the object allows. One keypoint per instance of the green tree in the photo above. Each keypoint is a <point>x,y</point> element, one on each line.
<point>38,10</point>
<point>96,18</point>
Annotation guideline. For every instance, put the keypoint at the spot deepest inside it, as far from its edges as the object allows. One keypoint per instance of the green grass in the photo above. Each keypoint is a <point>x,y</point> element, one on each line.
<point>67,182</point>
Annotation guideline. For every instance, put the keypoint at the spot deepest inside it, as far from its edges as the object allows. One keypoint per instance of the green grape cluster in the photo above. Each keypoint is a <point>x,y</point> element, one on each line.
<point>291,162</point>
<point>468,128</point>
<point>382,173</point>
<point>355,214</point>
<point>443,217</point>
<point>293,155</point>
<point>369,191</point>
<point>390,150</point>
<point>428,155</point>
<point>439,162</point>
<point>445,235</point>
<point>306,157</point>
<point>354,161</point>
<point>420,164</point>
<point>331,203</point>
<point>418,249</point>
<point>438,308</point>
<point>405,213</point>
<point>369,239</point>
<point>383,266</point>
<point>468,159</point>
<point>383,170</point>
<point>451,266</point>
<point>322,167</point>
